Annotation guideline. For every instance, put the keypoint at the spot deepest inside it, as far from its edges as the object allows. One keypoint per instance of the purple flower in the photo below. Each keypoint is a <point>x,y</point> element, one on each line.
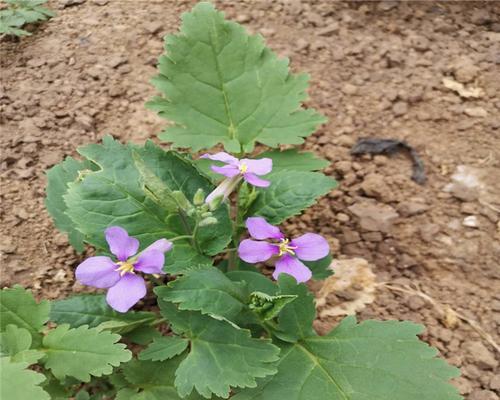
<point>308,247</point>
<point>125,287</point>
<point>235,170</point>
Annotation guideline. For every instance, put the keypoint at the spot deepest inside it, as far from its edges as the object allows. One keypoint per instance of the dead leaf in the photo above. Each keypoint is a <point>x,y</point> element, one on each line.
<point>349,290</point>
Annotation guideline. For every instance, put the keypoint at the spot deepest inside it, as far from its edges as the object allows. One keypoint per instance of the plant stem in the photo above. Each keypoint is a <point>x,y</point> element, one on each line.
<point>233,255</point>
<point>181,237</point>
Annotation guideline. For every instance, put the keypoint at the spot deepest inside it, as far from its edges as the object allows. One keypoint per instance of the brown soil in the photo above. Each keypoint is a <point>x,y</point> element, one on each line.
<point>376,70</point>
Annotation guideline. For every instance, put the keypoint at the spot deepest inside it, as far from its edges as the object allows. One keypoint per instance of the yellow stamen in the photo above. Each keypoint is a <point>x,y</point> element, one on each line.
<point>243,168</point>
<point>286,248</point>
<point>124,267</point>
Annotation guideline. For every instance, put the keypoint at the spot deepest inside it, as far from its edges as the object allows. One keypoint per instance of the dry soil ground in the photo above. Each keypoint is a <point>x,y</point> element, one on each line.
<point>377,69</point>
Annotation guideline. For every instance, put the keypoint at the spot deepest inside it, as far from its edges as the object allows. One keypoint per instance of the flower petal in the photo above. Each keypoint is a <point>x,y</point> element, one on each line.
<point>291,266</point>
<point>227,170</point>
<point>162,245</point>
<point>99,272</point>
<point>310,247</point>
<point>126,293</point>
<point>223,157</point>
<point>150,262</point>
<point>256,181</point>
<point>224,189</point>
<point>261,166</point>
<point>260,229</point>
<point>120,243</point>
<point>253,251</point>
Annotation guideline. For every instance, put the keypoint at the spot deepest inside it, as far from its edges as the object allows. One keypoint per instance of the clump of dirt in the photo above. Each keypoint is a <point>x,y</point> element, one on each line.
<point>423,72</point>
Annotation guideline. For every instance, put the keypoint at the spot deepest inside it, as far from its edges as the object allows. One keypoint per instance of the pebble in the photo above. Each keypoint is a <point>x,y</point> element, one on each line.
<point>477,112</point>
<point>411,208</point>
<point>349,89</point>
<point>400,108</point>
<point>482,395</point>
<point>374,216</point>
<point>428,232</point>
<point>415,302</point>
<point>329,30</point>
<point>471,222</point>
<point>480,355</point>
<point>495,383</point>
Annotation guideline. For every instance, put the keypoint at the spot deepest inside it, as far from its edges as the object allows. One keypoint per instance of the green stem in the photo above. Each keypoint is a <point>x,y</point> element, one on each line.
<point>182,237</point>
<point>233,256</point>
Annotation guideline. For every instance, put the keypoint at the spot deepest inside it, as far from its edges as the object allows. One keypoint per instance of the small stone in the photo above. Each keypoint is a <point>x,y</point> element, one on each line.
<point>84,122</point>
<point>428,232</point>
<point>346,141</point>
<point>415,302</point>
<point>242,18</point>
<point>372,236</point>
<point>69,3</point>
<point>349,89</point>
<point>481,16</point>
<point>101,2</point>
<point>344,167</point>
<point>477,112</point>
<point>116,61</point>
<point>7,246</point>
<point>406,261</point>
<point>349,236</point>
<point>374,216</point>
<point>387,5</point>
<point>482,395</point>
<point>329,30</point>
<point>154,27</point>
<point>480,355</point>
<point>495,383</point>
<point>471,222</point>
<point>374,185</point>
<point>400,108</point>
<point>341,217</point>
<point>301,44</point>
<point>411,208</point>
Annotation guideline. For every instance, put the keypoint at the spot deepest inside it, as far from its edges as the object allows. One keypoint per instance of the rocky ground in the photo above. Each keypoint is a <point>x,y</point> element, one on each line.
<point>425,72</point>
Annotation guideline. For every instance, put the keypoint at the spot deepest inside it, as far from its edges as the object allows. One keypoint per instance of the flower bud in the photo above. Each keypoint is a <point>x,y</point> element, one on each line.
<point>199,197</point>
<point>208,221</point>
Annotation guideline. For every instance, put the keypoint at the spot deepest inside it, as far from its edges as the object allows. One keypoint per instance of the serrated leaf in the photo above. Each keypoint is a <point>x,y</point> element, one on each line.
<point>295,320</point>
<point>294,160</point>
<point>207,290</point>
<point>18,307</point>
<point>370,360</point>
<point>149,380</point>
<point>221,85</point>
<point>267,307</point>
<point>220,356</point>
<point>83,352</point>
<point>15,343</point>
<point>164,348</point>
<point>255,281</point>
<point>183,258</point>
<point>290,192</point>
<point>92,310</point>
<point>58,178</point>
<point>320,268</point>
<point>113,195</point>
<point>19,383</point>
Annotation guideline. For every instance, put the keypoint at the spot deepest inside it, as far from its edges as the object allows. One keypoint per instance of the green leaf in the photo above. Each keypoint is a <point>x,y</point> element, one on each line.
<point>113,195</point>
<point>220,356</point>
<point>290,193</point>
<point>207,290</point>
<point>256,282</point>
<point>143,335</point>
<point>18,307</point>
<point>296,318</point>
<point>268,307</point>
<point>149,380</point>
<point>371,360</point>
<point>92,310</point>
<point>16,342</point>
<point>320,268</point>
<point>82,352</point>
<point>294,160</point>
<point>19,383</point>
<point>164,348</point>
<point>58,178</point>
<point>220,85</point>
<point>183,258</point>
